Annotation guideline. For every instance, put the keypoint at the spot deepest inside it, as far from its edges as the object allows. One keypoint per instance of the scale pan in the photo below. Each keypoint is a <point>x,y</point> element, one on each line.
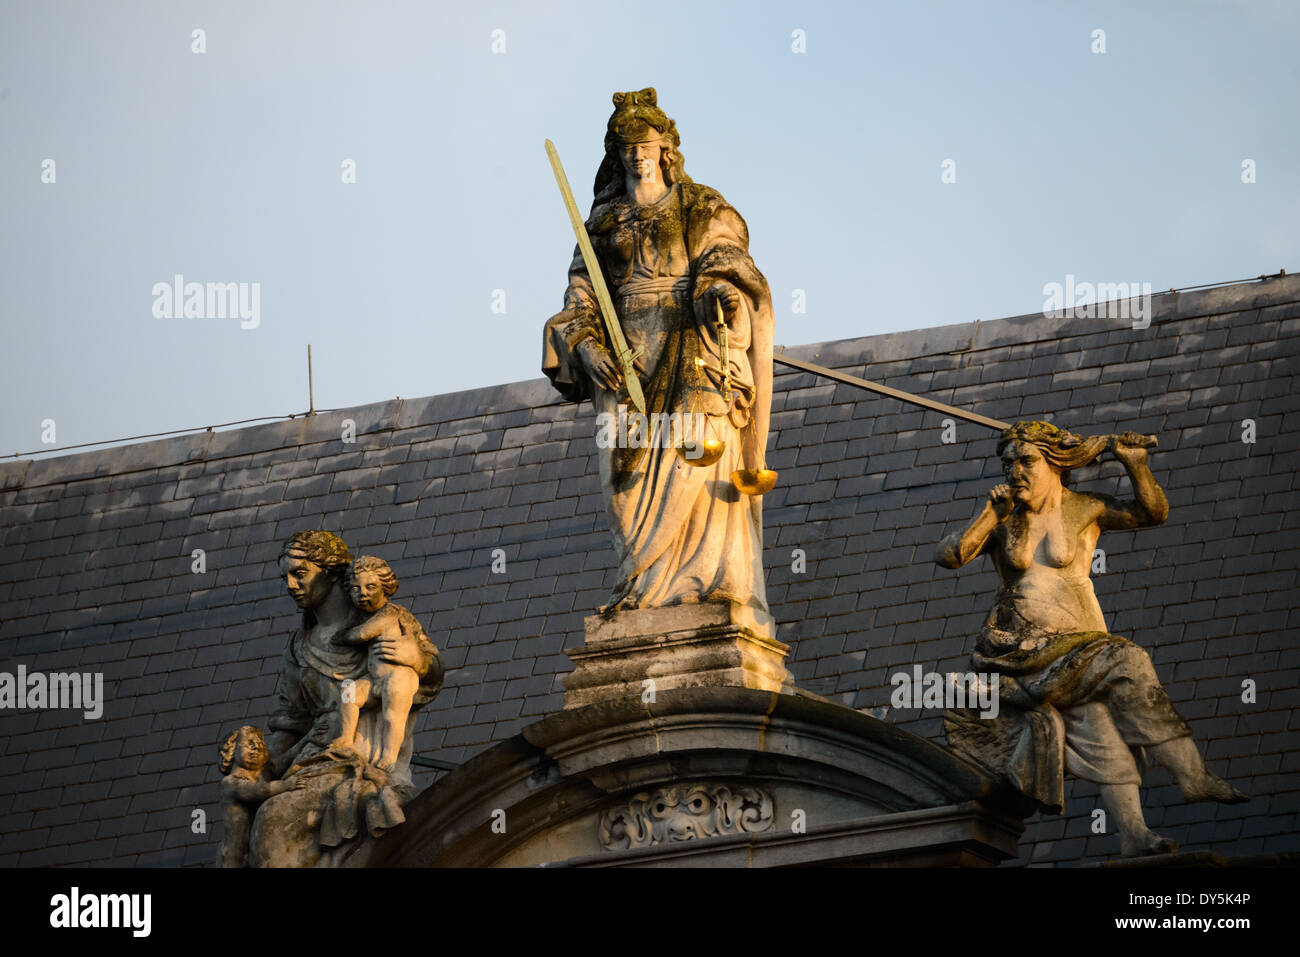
<point>754,481</point>
<point>692,454</point>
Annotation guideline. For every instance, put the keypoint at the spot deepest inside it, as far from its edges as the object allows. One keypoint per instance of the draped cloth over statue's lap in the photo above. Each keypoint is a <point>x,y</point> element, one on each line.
<point>1096,703</point>
<point>683,532</point>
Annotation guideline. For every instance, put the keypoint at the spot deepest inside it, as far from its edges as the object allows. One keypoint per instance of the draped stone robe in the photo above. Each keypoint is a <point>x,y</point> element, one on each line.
<point>682,533</point>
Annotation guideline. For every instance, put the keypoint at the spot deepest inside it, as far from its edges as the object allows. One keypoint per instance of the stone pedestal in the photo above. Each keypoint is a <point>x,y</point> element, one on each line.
<point>712,645</point>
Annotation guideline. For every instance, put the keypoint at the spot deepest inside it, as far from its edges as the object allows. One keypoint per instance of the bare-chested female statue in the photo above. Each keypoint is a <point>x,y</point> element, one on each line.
<point>1073,696</point>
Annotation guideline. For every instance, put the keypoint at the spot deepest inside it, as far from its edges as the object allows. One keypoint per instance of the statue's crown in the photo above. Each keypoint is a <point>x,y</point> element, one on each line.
<point>637,116</point>
<point>646,97</point>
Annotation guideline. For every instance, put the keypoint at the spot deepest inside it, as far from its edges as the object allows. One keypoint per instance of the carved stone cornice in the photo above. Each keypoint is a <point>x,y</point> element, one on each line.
<point>843,787</point>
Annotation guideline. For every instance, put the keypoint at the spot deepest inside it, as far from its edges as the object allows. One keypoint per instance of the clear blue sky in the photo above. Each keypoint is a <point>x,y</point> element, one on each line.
<point>225,166</point>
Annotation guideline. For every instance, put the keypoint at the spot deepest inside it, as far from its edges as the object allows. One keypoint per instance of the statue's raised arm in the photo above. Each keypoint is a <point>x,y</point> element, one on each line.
<point>1073,696</point>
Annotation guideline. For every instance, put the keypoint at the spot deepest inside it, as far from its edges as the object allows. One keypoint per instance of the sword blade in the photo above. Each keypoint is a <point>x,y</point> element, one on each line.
<point>622,354</point>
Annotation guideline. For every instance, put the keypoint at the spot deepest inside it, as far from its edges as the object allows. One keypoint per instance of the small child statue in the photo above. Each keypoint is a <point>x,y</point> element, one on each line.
<point>371,582</point>
<point>243,758</point>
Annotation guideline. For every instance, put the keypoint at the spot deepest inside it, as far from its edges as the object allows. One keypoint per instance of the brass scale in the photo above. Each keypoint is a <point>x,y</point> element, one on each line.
<point>748,481</point>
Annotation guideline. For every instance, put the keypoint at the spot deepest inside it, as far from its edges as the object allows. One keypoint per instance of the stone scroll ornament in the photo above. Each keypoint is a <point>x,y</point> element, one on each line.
<point>336,763</point>
<point>1072,696</point>
<point>675,258</point>
<point>684,813</point>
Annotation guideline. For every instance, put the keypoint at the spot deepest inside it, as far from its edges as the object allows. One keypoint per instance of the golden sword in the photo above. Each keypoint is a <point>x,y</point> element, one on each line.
<point>622,354</point>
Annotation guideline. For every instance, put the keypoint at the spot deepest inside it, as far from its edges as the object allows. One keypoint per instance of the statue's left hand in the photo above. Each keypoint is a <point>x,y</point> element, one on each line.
<point>1129,447</point>
<point>728,295</point>
<point>395,651</point>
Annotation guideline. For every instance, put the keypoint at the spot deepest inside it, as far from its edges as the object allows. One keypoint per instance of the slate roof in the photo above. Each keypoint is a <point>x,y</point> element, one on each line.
<point>95,567</point>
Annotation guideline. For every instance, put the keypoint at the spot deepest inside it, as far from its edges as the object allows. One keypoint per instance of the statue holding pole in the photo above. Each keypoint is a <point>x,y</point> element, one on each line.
<point>1074,697</point>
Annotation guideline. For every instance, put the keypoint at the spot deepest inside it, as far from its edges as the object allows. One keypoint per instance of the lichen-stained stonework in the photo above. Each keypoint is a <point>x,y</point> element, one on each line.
<point>98,549</point>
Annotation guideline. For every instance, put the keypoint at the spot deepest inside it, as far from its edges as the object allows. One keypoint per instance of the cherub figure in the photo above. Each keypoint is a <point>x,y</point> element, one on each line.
<point>371,582</point>
<point>243,759</point>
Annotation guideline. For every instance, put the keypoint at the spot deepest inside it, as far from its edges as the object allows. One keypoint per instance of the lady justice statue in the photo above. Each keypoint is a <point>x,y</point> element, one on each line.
<point>1074,697</point>
<point>675,256</point>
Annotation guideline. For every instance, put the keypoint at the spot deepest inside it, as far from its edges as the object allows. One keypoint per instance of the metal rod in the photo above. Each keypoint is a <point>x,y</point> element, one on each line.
<point>433,763</point>
<point>311,399</point>
<point>892,393</point>
<point>725,356</point>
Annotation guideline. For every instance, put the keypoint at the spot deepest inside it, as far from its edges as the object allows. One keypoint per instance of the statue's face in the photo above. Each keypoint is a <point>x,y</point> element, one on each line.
<point>250,753</point>
<point>1030,476</point>
<point>641,159</point>
<point>368,591</point>
<point>307,582</point>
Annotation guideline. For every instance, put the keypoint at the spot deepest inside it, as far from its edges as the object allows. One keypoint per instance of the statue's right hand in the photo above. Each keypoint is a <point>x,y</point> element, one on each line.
<point>599,364</point>
<point>1001,499</point>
